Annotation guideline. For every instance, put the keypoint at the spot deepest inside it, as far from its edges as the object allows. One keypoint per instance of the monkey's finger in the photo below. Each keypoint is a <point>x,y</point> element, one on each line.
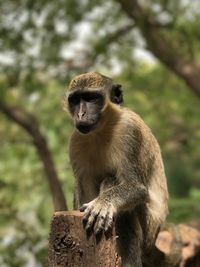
<point>84,207</point>
<point>86,216</point>
<point>91,220</point>
<point>87,205</point>
<point>108,221</point>
<point>100,222</point>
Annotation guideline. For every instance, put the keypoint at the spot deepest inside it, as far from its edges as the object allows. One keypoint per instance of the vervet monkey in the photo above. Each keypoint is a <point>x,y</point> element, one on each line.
<point>118,167</point>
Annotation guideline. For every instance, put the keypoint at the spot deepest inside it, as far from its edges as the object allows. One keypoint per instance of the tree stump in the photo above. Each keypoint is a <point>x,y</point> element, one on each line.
<point>70,246</point>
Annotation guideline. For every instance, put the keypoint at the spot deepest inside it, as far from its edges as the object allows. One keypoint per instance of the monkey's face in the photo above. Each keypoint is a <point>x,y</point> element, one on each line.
<point>86,107</point>
<point>89,95</point>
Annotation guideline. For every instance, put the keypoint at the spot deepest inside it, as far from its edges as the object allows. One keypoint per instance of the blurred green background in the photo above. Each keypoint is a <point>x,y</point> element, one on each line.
<point>150,47</point>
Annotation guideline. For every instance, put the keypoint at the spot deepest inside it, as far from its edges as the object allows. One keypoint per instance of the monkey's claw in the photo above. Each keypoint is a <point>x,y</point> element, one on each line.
<point>98,216</point>
<point>83,207</point>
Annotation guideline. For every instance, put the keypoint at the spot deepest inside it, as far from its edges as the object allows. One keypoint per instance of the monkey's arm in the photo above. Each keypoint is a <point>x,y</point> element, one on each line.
<point>126,195</point>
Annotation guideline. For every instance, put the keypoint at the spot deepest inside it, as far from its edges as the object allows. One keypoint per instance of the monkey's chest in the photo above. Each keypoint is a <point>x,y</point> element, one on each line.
<point>95,163</point>
<point>93,167</point>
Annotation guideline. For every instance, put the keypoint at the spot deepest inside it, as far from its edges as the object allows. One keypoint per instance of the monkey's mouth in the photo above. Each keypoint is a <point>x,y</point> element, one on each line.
<point>85,128</point>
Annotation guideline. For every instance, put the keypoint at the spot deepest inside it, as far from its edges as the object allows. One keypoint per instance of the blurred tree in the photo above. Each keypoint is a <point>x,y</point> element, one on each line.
<point>170,29</point>
<point>62,37</point>
<point>30,124</point>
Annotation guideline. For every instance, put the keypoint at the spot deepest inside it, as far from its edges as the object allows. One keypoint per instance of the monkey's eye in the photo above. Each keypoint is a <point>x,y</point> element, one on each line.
<point>91,97</point>
<point>74,99</point>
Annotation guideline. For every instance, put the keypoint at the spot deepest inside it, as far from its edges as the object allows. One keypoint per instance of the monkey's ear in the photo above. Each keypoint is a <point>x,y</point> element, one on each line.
<point>117,94</point>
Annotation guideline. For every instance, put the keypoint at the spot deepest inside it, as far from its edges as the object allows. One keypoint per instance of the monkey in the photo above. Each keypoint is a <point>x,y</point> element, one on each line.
<point>118,167</point>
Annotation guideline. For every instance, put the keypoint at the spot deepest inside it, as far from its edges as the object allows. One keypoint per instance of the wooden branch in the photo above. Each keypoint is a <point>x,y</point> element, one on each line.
<point>29,123</point>
<point>165,49</point>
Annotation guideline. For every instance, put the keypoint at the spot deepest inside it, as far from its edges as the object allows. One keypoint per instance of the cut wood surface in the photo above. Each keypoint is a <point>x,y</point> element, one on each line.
<point>70,246</point>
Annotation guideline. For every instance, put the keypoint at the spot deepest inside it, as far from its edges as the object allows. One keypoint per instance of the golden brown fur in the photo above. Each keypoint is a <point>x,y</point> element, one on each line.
<point>90,80</point>
<point>119,160</point>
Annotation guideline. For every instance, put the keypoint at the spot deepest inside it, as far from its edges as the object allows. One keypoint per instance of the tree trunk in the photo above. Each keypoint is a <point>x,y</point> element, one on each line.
<point>70,246</point>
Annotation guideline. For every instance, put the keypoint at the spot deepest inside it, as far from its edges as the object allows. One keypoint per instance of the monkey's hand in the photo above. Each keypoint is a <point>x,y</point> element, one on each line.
<point>98,215</point>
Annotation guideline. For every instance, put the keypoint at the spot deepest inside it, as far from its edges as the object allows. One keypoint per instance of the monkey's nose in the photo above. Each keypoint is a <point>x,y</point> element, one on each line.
<point>81,114</point>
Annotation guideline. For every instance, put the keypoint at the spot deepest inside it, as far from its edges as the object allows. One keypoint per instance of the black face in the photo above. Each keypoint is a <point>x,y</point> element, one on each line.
<point>85,108</point>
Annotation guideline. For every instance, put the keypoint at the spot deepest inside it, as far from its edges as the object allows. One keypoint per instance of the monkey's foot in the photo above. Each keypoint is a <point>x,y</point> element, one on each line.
<point>98,215</point>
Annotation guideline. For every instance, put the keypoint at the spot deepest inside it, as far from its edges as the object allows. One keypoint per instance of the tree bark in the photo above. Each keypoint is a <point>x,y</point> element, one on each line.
<point>164,48</point>
<point>70,246</point>
<point>30,124</point>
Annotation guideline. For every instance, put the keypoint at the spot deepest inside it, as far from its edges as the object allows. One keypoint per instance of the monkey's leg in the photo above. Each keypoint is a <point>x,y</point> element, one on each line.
<point>76,197</point>
<point>84,194</point>
<point>155,257</point>
<point>129,239</point>
<point>75,200</point>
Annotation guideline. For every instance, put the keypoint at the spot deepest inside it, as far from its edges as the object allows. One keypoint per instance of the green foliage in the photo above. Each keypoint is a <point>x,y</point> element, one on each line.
<point>179,179</point>
<point>185,209</point>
